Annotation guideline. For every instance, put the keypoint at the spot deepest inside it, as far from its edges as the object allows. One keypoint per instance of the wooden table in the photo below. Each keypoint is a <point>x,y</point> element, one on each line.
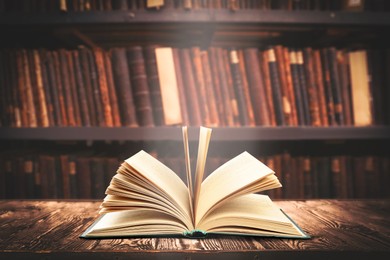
<point>343,229</point>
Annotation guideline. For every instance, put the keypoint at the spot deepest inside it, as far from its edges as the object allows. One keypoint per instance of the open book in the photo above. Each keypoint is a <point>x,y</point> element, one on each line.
<point>146,198</point>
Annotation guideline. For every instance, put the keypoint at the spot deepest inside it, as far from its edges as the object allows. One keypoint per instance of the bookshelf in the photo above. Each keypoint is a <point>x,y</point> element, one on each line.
<point>204,27</point>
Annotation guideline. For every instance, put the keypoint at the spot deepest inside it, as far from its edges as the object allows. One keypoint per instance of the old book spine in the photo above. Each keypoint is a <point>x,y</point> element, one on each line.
<point>28,175</point>
<point>87,81</point>
<point>257,87</point>
<point>140,86</point>
<point>210,89</point>
<point>103,88</point>
<point>96,91</point>
<point>290,86</point>
<point>6,105</point>
<point>72,170</point>
<point>201,87</point>
<point>181,86</point>
<point>360,88</point>
<point>64,169</point>
<point>336,88</point>
<point>123,87</point>
<point>154,84</point>
<point>239,88</point>
<point>296,85</point>
<point>212,52</point>
<point>263,58</point>
<point>305,167</point>
<point>168,83</point>
<point>116,119</point>
<point>328,87</point>
<point>277,95</point>
<point>303,87</point>
<point>60,88</point>
<point>226,99</point>
<point>84,177</point>
<point>377,67</point>
<point>73,88</point>
<point>97,177</point>
<point>22,95</point>
<point>41,95</point>
<point>230,86</point>
<point>31,113</point>
<point>191,92</point>
<point>81,90</point>
<point>65,79</point>
<point>245,85</point>
<point>286,102</point>
<point>50,87</point>
<point>314,108</point>
<point>318,72</point>
<point>41,63</point>
<point>345,85</point>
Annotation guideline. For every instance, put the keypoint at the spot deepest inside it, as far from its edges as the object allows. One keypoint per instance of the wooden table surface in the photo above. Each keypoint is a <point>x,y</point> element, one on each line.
<point>340,229</point>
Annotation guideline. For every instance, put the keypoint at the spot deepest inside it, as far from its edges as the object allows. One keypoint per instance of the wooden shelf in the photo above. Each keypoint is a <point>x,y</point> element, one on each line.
<point>174,133</point>
<point>267,17</point>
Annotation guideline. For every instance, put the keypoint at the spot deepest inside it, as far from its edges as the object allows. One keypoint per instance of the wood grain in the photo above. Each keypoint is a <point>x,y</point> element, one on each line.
<point>338,228</point>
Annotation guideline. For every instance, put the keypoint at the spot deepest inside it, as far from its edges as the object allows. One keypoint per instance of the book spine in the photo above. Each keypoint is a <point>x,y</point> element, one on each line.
<point>81,90</point>
<point>212,52</point>
<point>191,92</point>
<point>116,119</point>
<point>296,85</point>
<point>103,88</point>
<point>140,86</point>
<point>239,88</point>
<point>345,85</point>
<point>96,91</point>
<point>73,88</point>
<point>89,91</point>
<point>290,86</point>
<point>60,88</point>
<point>328,87</point>
<point>335,85</point>
<point>245,85</point>
<point>318,72</point>
<point>303,88</point>
<point>180,86</point>
<point>154,84</point>
<point>257,88</point>
<point>210,89</point>
<point>31,113</point>
<point>201,87</point>
<point>41,96</point>
<point>65,79</point>
<point>314,108</point>
<point>123,87</point>
<point>277,95</point>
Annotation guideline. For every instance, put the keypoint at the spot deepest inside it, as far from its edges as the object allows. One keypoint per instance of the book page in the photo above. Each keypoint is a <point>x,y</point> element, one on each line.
<point>203,146</point>
<point>232,177</point>
<point>253,214</point>
<point>188,170</point>
<point>163,178</point>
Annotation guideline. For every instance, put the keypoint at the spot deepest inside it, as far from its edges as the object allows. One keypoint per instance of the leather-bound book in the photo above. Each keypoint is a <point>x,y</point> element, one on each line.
<point>257,88</point>
<point>345,86</point>
<point>103,88</point>
<point>210,89</point>
<point>192,98</point>
<point>73,87</point>
<point>89,90</point>
<point>336,88</point>
<point>296,85</point>
<point>311,87</point>
<point>290,85</point>
<point>303,87</point>
<point>201,87</point>
<point>239,88</point>
<point>116,117</point>
<point>67,89</point>
<point>328,87</point>
<point>139,82</point>
<point>60,88</point>
<point>154,84</point>
<point>318,72</point>
<point>123,87</point>
<point>265,72</point>
<point>85,113</point>
<point>30,104</point>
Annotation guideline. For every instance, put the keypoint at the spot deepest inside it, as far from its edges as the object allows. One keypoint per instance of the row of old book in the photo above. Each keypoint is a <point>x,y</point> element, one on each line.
<point>219,86</point>
<point>71,175</point>
<point>111,5</point>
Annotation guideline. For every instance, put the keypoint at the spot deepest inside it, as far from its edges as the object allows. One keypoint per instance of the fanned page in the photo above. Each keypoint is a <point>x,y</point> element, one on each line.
<point>243,174</point>
<point>188,170</point>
